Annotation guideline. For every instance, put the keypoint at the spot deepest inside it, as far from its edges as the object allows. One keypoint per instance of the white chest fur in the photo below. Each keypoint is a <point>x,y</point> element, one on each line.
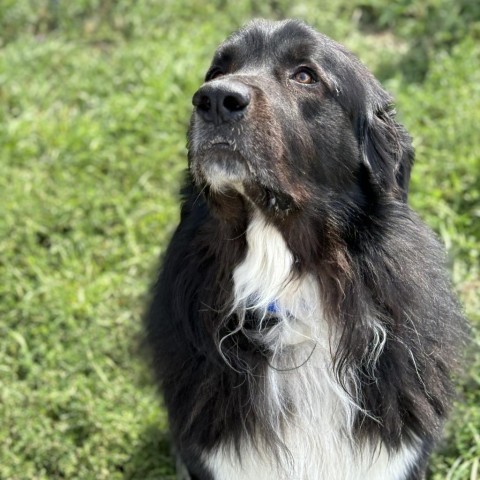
<point>318,414</point>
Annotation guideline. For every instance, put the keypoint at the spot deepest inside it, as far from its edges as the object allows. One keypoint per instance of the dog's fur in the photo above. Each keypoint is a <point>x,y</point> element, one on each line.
<point>302,326</point>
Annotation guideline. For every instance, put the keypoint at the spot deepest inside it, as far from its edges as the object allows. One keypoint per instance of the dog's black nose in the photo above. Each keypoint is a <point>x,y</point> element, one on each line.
<point>222,102</point>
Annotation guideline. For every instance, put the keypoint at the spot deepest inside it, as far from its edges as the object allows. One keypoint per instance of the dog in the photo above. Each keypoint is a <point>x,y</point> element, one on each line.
<point>302,326</point>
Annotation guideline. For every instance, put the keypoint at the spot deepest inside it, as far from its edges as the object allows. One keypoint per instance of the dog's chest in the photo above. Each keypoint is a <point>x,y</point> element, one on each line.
<point>301,391</point>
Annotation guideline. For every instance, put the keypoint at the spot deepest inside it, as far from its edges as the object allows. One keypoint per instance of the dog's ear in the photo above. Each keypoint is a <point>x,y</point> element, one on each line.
<point>386,150</point>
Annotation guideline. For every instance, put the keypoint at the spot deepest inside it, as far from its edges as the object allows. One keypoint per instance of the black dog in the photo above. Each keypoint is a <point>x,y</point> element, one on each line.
<point>302,326</point>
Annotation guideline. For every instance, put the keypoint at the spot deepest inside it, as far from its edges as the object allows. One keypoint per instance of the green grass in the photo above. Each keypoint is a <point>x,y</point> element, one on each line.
<point>94,106</point>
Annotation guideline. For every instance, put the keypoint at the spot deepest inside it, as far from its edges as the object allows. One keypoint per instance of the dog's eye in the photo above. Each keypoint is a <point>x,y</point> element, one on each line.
<point>304,76</point>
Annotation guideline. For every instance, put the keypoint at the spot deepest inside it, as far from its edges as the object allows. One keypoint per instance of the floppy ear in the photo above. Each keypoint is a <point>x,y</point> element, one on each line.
<point>387,151</point>
<point>386,147</point>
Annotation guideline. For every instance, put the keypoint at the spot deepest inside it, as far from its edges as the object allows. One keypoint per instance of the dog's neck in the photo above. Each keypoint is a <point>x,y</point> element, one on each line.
<point>266,282</point>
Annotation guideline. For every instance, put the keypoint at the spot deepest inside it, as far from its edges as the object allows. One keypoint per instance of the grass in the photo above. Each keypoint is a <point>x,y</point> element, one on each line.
<point>94,105</point>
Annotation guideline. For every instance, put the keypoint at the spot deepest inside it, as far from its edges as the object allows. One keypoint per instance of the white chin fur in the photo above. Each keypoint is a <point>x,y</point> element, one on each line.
<point>219,178</point>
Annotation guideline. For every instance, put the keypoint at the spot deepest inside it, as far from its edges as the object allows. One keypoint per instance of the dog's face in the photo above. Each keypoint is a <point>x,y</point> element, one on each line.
<point>286,115</point>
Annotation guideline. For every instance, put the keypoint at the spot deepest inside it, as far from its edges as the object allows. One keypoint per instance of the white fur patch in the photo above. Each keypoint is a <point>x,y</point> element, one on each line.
<point>335,462</point>
<point>301,390</point>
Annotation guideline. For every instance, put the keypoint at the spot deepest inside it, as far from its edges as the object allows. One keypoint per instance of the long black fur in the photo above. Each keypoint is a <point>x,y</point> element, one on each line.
<point>329,167</point>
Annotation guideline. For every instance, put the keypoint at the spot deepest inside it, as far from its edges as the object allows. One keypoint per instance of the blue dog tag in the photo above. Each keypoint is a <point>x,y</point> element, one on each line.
<point>273,307</point>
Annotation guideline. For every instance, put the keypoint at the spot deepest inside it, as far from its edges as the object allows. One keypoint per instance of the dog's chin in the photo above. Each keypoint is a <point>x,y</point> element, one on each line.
<point>220,168</point>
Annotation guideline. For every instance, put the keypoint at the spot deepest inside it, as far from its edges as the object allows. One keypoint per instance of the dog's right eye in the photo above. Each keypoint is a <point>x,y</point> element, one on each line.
<point>213,73</point>
<point>305,76</point>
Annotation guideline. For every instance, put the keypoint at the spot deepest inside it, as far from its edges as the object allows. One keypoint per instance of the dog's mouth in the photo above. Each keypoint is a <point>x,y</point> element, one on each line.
<point>219,163</point>
<point>224,162</point>
<point>218,143</point>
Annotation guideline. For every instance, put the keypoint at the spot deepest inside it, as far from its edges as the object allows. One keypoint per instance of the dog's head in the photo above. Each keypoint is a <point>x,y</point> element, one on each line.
<point>286,115</point>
